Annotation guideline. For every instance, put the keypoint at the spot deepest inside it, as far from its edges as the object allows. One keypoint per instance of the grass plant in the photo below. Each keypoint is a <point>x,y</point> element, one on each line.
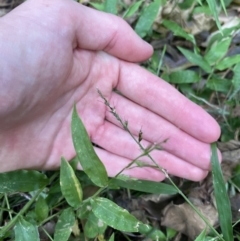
<point>32,201</point>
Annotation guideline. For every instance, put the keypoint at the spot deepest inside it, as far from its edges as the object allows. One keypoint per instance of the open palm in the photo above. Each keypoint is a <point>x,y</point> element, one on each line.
<point>55,53</point>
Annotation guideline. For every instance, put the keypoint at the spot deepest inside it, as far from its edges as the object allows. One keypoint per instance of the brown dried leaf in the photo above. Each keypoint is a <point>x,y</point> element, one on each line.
<point>185,220</point>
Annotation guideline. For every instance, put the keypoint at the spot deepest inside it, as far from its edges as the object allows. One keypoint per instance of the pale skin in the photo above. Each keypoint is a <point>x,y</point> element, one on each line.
<point>55,53</point>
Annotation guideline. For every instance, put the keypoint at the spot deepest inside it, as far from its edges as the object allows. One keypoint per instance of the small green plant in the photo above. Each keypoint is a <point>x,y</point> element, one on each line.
<point>32,201</point>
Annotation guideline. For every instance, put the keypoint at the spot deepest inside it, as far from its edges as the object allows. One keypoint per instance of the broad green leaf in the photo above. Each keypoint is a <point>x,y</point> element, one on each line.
<point>114,216</point>
<point>94,226</point>
<point>25,231</point>
<point>110,6</point>
<point>213,7</point>
<point>183,77</point>
<point>132,9</point>
<point>70,186</point>
<point>196,59</point>
<point>222,200</point>
<point>64,225</point>
<point>178,31</point>
<point>145,186</point>
<point>236,77</point>
<point>41,209</point>
<point>147,18</point>
<point>89,160</point>
<point>217,50</point>
<point>201,236</point>
<point>218,84</point>
<point>22,181</point>
<point>228,62</point>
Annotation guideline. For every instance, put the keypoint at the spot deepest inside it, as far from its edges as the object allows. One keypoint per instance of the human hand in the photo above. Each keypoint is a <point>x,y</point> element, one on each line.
<point>55,53</point>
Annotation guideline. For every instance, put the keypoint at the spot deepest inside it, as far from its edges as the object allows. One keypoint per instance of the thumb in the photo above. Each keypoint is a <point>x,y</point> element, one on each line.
<point>102,31</point>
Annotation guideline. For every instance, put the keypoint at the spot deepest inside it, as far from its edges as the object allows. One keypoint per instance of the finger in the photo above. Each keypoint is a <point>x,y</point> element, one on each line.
<point>89,28</point>
<point>158,96</point>
<point>118,142</point>
<point>101,31</point>
<point>155,129</point>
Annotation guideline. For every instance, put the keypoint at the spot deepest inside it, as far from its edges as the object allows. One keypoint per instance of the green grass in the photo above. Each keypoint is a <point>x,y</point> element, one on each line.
<point>209,76</point>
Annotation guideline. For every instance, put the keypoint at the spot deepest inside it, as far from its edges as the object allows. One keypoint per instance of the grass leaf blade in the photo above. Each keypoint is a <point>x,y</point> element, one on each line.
<point>222,200</point>
<point>64,225</point>
<point>114,216</point>
<point>70,186</point>
<point>89,160</point>
<point>147,18</point>
<point>145,186</point>
<point>22,181</point>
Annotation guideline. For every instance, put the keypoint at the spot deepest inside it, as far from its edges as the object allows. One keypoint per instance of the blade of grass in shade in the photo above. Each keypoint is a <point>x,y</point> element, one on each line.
<point>228,62</point>
<point>22,181</point>
<point>147,18</point>
<point>70,186</point>
<point>201,236</point>
<point>222,200</point>
<point>64,225</point>
<point>89,160</point>
<point>145,186</point>
<point>132,9</point>
<point>196,59</point>
<point>213,7</point>
<point>25,231</point>
<point>178,31</point>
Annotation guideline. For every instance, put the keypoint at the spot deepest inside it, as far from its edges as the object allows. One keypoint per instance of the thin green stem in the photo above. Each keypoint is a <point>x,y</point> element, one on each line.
<point>147,153</point>
<point>8,206</point>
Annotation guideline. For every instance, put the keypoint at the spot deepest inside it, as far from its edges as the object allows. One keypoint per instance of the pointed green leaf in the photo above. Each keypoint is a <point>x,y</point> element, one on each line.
<point>222,200</point>
<point>94,226</point>
<point>114,216</point>
<point>228,62</point>
<point>145,186</point>
<point>178,31</point>
<point>64,225</point>
<point>70,186</point>
<point>183,77</point>
<point>196,59</point>
<point>218,84</point>
<point>25,231</point>
<point>132,9</point>
<point>201,236</point>
<point>213,7</point>
<point>112,237</point>
<point>217,50</point>
<point>22,181</point>
<point>41,209</point>
<point>89,160</point>
<point>147,18</point>
<point>110,6</point>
